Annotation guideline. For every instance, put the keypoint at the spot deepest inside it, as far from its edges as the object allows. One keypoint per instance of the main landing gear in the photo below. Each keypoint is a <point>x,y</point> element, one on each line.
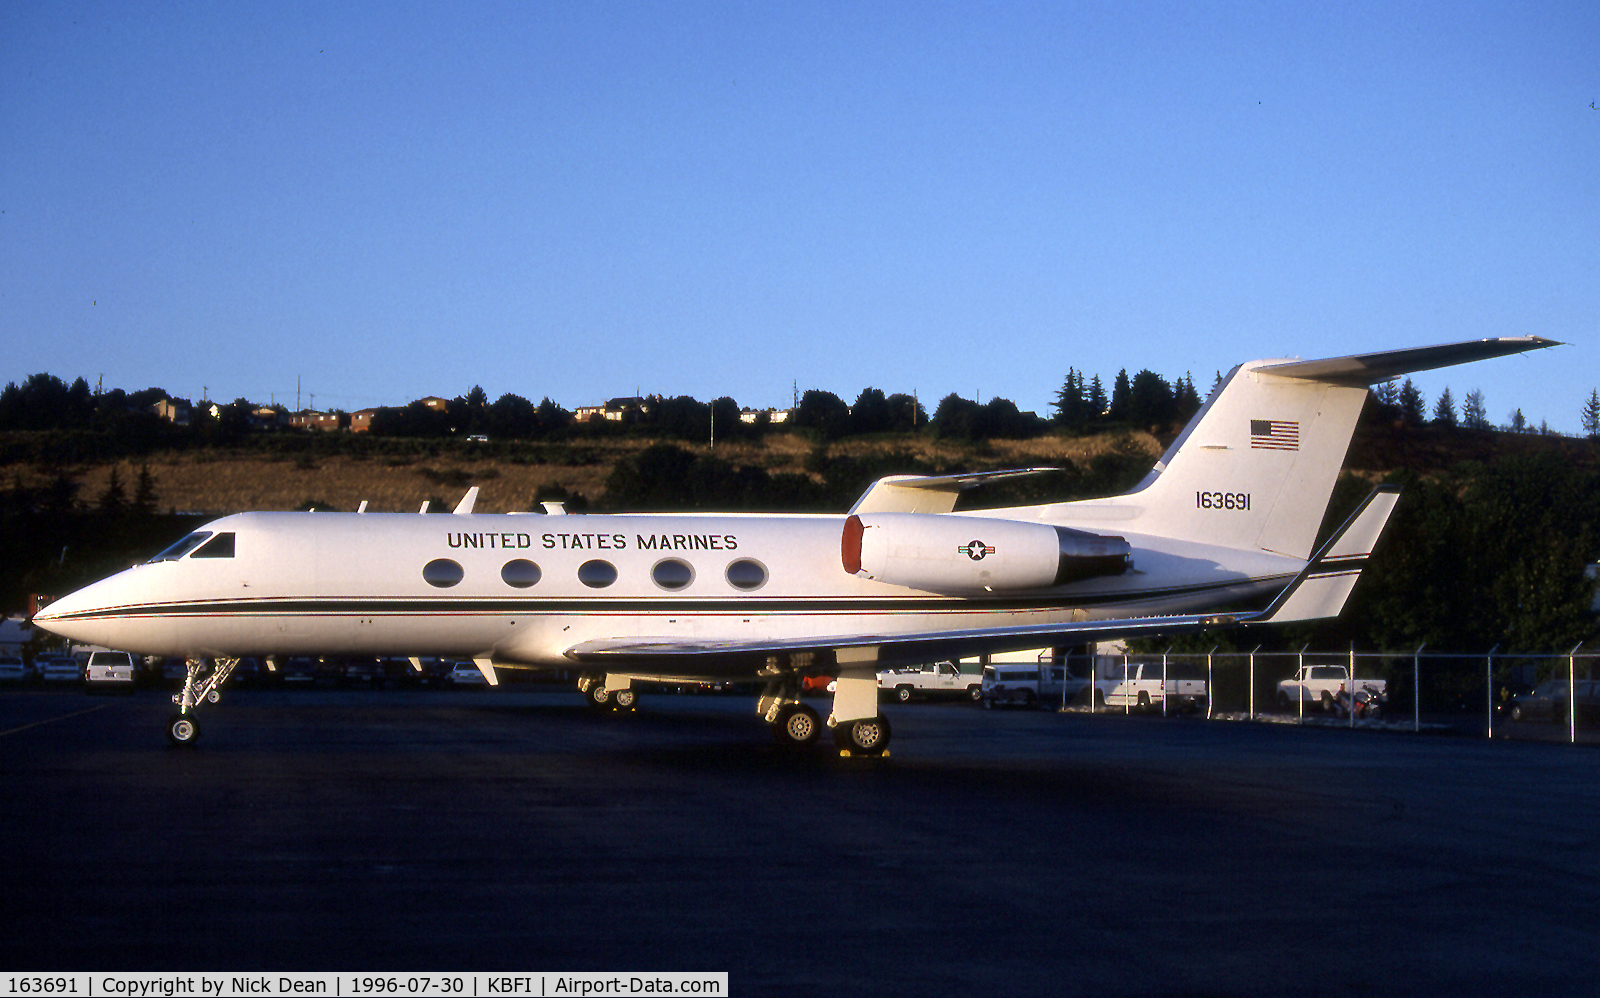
<point>609,693</point>
<point>797,725</point>
<point>199,686</point>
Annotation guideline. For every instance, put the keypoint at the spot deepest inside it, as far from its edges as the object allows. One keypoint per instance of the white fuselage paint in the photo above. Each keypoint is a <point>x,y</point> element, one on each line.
<point>352,583</point>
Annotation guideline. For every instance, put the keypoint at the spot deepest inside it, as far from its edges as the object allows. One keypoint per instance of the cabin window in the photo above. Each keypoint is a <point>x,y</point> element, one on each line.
<point>747,574</point>
<point>597,574</point>
<point>183,547</point>
<point>672,573</point>
<point>520,573</point>
<point>220,546</point>
<point>442,573</point>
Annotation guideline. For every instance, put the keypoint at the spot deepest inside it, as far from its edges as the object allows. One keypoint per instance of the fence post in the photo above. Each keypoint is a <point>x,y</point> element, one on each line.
<point>1300,684</point>
<point>1164,689</point>
<point>1572,694</point>
<point>1488,680</point>
<point>1210,681</point>
<point>1352,689</point>
<point>1253,681</point>
<point>1416,688</point>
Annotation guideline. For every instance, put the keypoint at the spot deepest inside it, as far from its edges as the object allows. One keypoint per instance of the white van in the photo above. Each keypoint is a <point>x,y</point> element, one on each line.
<point>108,670</point>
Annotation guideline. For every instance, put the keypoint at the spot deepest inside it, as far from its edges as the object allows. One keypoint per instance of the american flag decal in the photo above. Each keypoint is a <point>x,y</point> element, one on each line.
<point>1274,434</point>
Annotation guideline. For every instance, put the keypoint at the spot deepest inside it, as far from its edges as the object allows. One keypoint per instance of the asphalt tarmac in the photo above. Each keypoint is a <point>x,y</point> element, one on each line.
<point>993,853</point>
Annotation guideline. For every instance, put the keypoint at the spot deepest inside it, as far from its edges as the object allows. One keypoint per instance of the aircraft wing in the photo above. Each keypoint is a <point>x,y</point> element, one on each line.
<point>1318,592</point>
<point>824,654</point>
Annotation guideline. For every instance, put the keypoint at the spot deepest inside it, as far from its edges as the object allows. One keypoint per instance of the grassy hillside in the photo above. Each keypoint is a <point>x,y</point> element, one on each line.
<point>397,475</point>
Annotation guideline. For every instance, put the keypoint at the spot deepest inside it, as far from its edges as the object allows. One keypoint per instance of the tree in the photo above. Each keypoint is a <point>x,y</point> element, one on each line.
<point>1410,404</point>
<point>1098,403</point>
<point>1473,416</point>
<point>144,492</point>
<point>871,412</point>
<point>1519,422</point>
<point>823,413</point>
<point>956,418</point>
<point>1121,398</point>
<point>1444,412</point>
<point>114,500</point>
<point>906,413</point>
<point>1150,401</point>
<point>1071,405</point>
<point>1591,415</point>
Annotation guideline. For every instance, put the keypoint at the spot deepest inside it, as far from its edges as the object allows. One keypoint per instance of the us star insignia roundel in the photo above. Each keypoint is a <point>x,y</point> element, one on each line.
<point>976,550</point>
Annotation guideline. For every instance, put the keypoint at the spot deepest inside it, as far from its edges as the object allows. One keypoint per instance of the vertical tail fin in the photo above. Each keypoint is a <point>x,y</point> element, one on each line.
<point>1257,464</point>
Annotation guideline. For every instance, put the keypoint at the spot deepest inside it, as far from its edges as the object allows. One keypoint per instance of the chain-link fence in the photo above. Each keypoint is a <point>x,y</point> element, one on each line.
<point>1536,696</point>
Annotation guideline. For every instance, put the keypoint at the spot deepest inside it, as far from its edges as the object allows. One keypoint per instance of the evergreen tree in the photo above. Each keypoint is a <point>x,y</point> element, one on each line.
<point>1410,404</point>
<point>1070,404</point>
<point>1121,398</point>
<point>1473,416</point>
<point>1519,422</point>
<point>1098,403</point>
<point>1591,415</point>
<point>114,500</point>
<point>1444,412</point>
<point>144,493</point>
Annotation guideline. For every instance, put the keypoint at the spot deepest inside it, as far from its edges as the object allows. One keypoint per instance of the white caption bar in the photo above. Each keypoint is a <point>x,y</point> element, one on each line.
<point>521,985</point>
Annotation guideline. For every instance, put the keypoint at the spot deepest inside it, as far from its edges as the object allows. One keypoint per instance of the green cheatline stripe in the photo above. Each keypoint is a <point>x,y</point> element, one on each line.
<point>654,605</point>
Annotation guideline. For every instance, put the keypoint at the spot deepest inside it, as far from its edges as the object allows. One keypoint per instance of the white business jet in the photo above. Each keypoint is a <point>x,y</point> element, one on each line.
<point>1228,517</point>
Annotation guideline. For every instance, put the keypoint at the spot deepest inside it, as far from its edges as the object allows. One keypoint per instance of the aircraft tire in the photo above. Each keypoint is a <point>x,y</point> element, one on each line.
<point>797,725</point>
<point>183,730</point>
<point>625,700</point>
<point>598,695</point>
<point>863,736</point>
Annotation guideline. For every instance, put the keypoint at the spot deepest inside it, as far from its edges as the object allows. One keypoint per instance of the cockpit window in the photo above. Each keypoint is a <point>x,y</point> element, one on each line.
<point>220,546</point>
<point>183,547</point>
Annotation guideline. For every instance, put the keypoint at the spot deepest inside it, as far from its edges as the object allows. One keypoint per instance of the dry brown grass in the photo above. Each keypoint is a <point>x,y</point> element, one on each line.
<point>220,482</point>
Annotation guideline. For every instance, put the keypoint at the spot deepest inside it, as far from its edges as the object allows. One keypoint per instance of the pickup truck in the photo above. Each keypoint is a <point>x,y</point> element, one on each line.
<point>1140,686</point>
<point>1320,685</point>
<point>940,679</point>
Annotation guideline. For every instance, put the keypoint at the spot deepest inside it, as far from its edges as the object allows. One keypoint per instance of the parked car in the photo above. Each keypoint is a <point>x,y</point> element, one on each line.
<point>467,674</point>
<point>299,671</point>
<point>58,669</point>
<point>14,670</point>
<point>109,670</point>
<point>1548,701</point>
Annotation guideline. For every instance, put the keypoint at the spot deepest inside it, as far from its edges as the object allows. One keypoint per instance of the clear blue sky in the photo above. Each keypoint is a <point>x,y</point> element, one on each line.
<point>585,199</point>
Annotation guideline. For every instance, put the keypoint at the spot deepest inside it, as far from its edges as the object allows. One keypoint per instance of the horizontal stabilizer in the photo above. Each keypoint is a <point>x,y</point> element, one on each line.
<point>929,493</point>
<point>1323,586</point>
<point>1372,368</point>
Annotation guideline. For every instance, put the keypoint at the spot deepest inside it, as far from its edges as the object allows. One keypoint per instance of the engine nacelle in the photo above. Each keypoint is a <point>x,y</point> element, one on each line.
<point>962,554</point>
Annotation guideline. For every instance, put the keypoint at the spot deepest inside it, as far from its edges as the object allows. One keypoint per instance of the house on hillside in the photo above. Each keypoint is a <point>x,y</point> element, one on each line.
<point>617,410</point>
<point>311,419</point>
<point>174,411</point>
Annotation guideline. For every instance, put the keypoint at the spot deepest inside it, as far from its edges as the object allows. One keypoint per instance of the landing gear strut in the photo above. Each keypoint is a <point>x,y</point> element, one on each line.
<point>792,722</point>
<point>182,728</point>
